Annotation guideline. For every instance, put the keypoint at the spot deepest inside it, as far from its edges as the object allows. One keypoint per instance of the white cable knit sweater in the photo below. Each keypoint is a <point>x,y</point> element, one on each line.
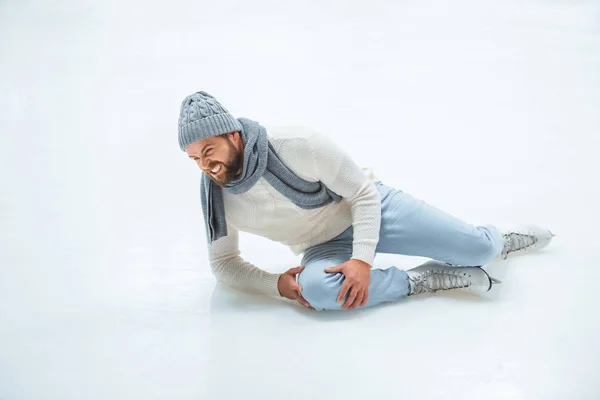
<point>264,211</point>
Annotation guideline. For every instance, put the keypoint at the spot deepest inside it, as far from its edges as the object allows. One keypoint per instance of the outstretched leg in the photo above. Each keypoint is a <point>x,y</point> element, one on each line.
<point>412,227</point>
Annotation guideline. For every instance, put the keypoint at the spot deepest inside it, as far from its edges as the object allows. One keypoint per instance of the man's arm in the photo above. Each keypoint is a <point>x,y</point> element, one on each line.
<point>337,171</point>
<point>232,270</point>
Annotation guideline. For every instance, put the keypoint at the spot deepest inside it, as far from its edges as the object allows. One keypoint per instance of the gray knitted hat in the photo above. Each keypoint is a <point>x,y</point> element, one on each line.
<point>202,116</point>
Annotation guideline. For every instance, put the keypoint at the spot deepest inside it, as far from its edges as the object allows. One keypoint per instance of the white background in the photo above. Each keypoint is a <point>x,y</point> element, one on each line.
<point>489,110</point>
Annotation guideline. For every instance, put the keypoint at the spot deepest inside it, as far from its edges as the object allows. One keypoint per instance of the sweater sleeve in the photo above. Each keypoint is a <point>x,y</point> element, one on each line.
<point>341,174</point>
<point>232,270</point>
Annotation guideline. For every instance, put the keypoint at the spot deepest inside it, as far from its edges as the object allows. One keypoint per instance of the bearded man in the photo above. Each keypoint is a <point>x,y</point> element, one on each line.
<point>297,187</point>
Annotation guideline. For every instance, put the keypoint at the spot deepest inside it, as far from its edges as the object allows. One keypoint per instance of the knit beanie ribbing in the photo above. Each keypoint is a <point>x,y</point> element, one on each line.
<point>201,116</point>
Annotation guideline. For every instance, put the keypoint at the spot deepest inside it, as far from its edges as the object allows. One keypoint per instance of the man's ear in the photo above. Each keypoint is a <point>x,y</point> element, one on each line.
<point>235,136</point>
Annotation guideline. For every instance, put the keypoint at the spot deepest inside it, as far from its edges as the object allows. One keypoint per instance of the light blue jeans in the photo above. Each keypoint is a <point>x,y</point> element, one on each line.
<point>410,227</point>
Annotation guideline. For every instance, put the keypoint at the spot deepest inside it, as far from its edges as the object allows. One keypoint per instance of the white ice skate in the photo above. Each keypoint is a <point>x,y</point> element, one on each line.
<point>526,238</point>
<point>434,276</point>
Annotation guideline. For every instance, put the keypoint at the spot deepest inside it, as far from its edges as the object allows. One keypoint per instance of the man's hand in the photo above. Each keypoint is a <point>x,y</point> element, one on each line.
<point>357,275</point>
<point>289,288</point>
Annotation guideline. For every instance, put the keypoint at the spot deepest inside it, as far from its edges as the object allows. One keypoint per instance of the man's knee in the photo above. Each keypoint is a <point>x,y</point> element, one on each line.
<point>483,250</point>
<point>321,289</point>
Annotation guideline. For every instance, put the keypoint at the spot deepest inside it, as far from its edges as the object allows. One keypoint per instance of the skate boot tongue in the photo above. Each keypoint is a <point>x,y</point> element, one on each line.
<point>431,282</point>
<point>435,276</point>
<point>525,238</point>
<point>517,242</point>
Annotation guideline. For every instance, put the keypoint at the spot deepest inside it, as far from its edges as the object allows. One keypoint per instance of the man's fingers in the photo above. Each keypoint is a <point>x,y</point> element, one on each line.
<point>295,271</point>
<point>303,301</point>
<point>364,302</point>
<point>343,292</point>
<point>351,298</point>
<point>295,286</point>
<point>358,300</point>
<point>337,268</point>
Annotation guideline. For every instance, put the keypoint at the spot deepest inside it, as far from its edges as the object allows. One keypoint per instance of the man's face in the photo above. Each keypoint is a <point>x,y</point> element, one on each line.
<point>220,157</point>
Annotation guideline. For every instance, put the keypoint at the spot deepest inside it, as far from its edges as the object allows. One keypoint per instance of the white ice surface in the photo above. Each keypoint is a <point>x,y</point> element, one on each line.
<point>489,110</point>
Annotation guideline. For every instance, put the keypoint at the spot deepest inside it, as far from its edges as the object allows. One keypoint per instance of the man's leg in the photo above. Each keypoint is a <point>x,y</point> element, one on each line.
<point>408,226</point>
<point>412,227</point>
<point>321,289</point>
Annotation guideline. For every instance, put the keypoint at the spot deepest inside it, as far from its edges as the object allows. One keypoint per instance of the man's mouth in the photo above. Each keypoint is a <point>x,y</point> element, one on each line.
<point>216,169</point>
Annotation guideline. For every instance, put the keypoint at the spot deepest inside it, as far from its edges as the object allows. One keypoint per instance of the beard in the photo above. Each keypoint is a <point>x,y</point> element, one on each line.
<point>235,160</point>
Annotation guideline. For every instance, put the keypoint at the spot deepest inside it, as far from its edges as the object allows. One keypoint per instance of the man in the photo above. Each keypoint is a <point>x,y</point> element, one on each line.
<point>300,189</point>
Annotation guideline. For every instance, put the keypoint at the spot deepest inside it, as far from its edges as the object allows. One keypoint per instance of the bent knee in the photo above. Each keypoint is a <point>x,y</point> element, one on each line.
<point>321,289</point>
<point>481,252</point>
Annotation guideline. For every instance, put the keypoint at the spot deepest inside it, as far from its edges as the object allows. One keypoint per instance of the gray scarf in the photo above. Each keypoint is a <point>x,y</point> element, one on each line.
<point>260,160</point>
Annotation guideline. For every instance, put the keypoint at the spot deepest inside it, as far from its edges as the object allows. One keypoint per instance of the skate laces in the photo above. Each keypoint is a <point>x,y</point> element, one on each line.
<point>515,241</point>
<point>434,280</point>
